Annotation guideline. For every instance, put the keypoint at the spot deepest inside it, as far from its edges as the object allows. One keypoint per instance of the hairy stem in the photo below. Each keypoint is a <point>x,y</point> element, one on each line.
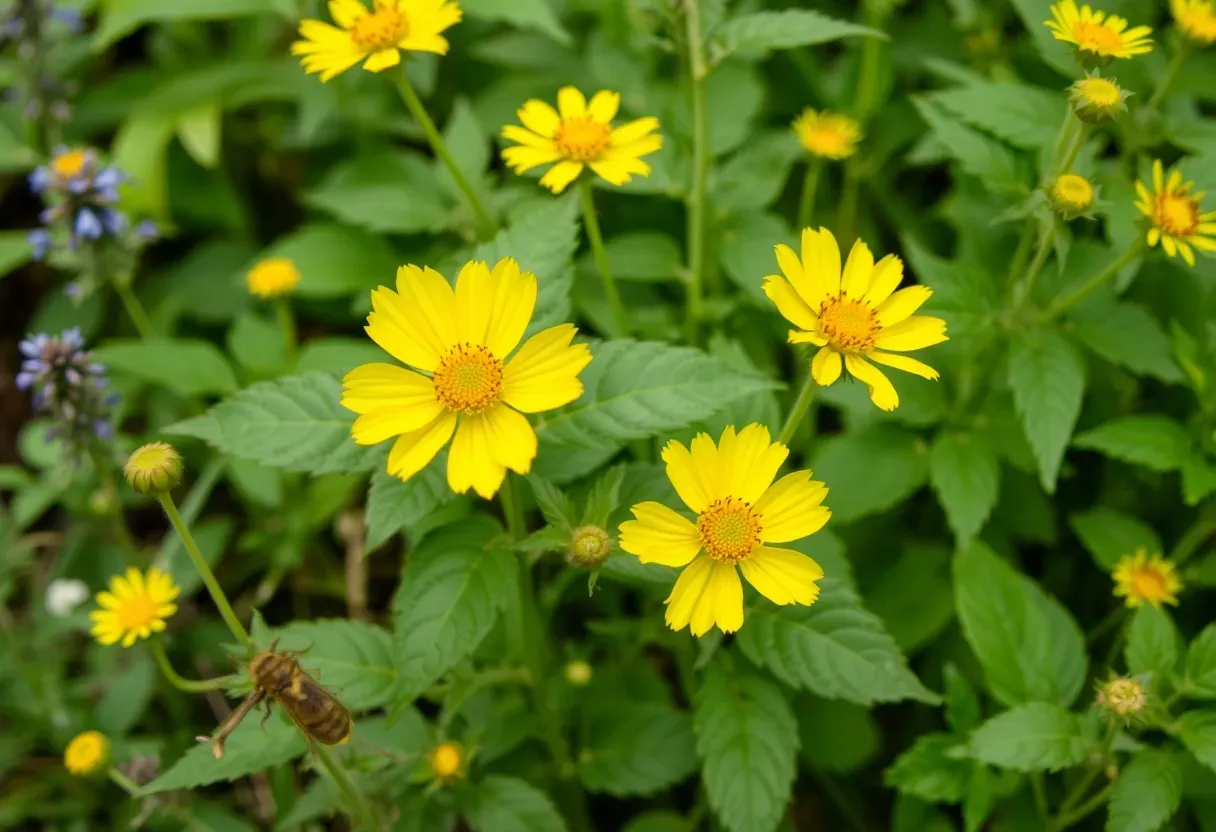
<point>362,812</point>
<point>619,319</point>
<point>798,411</point>
<point>810,184</point>
<point>187,685</point>
<point>697,73</point>
<point>135,310</point>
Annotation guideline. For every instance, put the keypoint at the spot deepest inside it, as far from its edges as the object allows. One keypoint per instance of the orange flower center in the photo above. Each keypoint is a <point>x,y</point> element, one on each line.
<point>468,379</point>
<point>729,530</point>
<point>848,323</point>
<point>381,29</point>
<point>69,164</point>
<point>1096,38</point>
<point>1176,214</point>
<point>446,760</point>
<point>1199,22</point>
<point>138,611</point>
<point>1149,583</point>
<point>582,139</point>
<point>827,141</point>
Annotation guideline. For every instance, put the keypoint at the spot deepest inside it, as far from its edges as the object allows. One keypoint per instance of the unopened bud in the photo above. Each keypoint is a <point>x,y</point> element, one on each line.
<point>1124,698</point>
<point>156,468</point>
<point>1071,195</point>
<point>578,673</point>
<point>589,546</point>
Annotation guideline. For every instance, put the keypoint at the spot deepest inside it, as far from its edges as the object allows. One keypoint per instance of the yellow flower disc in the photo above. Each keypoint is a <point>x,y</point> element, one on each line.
<point>446,760</point>
<point>273,277</point>
<point>1141,579</point>
<point>87,753</point>
<point>1196,19</point>
<point>1175,214</point>
<point>1096,33</point>
<point>1072,194</point>
<point>830,135</point>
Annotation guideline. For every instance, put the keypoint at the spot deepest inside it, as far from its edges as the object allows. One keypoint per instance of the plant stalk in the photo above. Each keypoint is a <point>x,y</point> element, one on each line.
<point>287,323</point>
<point>187,685</point>
<point>1062,305</point>
<point>135,310</point>
<point>801,405</point>
<point>810,185</point>
<point>362,812</point>
<point>1171,75</point>
<point>123,781</point>
<point>697,73</point>
<point>619,319</point>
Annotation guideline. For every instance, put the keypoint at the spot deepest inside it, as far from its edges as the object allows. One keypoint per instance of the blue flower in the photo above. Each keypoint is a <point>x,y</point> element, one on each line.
<point>40,241</point>
<point>87,225</point>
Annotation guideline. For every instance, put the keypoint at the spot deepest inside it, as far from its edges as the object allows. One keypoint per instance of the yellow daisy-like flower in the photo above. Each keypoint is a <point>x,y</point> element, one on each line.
<point>1196,19</point>
<point>136,606</point>
<point>830,135</point>
<point>461,381</point>
<point>740,510</point>
<point>377,34</point>
<point>577,134</point>
<point>856,316</point>
<point>273,277</point>
<point>1140,578</point>
<point>1105,36</point>
<point>1095,99</point>
<point>446,761</point>
<point>1174,213</point>
<point>87,753</point>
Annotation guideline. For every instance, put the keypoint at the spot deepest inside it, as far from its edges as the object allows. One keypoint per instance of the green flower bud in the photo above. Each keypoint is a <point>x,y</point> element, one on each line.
<point>156,468</point>
<point>589,546</point>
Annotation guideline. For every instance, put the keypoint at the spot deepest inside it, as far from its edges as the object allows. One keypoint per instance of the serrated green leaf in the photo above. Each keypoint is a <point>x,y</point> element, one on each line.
<point>635,748</point>
<point>394,504</point>
<point>1146,793</point>
<point>526,14</point>
<point>1026,117</point>
<point>452,589</point>
<point>1156,442</point>
<point>296,423</point>
<point>553,502</point>
<point>337,355</point>
<point>354,660</point>
<point>1198,479</point>
<point>1201,665</point>
<point>335,260</point>
<point>963,293</point>
<point>1126,334</point>
<point>1153,643</point>
<point>834,648</point>
<point>508,804</point>
<point>388,192</point>
<point>871,470</point>
<point>966,475</point>
<point>1037,736</point>
<point>962,702</point>
<point>977,154</point>
<point>1048,380</point>
<point>1197,730</point>
<point>748,741</point>
<point>1109,535</point>
<point>186,366</point>
<point>121,17</point>
<point>927,771</point>
<point>248,749</point>
<point>762,32</point>
<point>639,255</point>
<point>756,173</point>
<point>604,497</point>
<point>1030,647</point>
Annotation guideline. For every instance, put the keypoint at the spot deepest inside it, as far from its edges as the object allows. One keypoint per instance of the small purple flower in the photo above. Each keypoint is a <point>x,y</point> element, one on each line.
<point>71,18</point>
<point>32,346</point>
<point>40,179</point>
<point>40,241</point>
<point>68,386</point>
<point>88,226</point>
<point>115,222</point>
<point>74,291</point>
<point>25,380</point>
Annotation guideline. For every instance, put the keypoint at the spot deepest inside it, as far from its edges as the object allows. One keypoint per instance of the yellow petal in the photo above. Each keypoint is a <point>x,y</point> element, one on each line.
<point>634,130</point>
<point>571,103</point>
<point>659,535</point>
<point>914,333</point>
<point>888,272</point>
<point>107,601</point>
<point>528,138</point>
<point>520,159</point>
<point>619,171</point>
<point>825,367</point>
<point>707,592</point>
<point>561,175</point>
<point>471,462</point>
<point>413,451</point>
<point>382,60</point>
<point>346,12</point>
<point>796,337</point>
<point>642,147</point>
<point>512,440</point>
<point>543,375</point>
<point>379,386</point>
<point>747,462</point>
<point>902,304</point>
<point>416,324</point>
<point>603,106</point>
<point>790,509</point>
<point>882,393</point>
<point>493,308</point>
<point>783,576</point>
<point>789,264</point>
<point>790,304</point>
<point>821,260</point>
<point>857,271</point>
<point>903,362</point>
<point>690,482</point>
<point>539,117</point>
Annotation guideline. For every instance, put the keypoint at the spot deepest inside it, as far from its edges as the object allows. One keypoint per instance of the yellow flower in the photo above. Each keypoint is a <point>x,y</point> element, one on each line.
<point>739,511</point>
<point>446,761</point>
<point>68,163</point>
<point>1140,578</point>
<point>155,468</point>
<point>830,135</point>
<point>578,673</point>
<point>87,753</point>
<point>135,607</point>
<point>580,133</point>
<point>1072,194</point>
<point>1175,216</point>
<point>857,316</point>
<point>1122,697</point>
<point>460,342</point>
<point>376,34</point>
<point>1096,99</point>
<point>273,277</point>
<point>1196,19</point>
<point>1095,32</point>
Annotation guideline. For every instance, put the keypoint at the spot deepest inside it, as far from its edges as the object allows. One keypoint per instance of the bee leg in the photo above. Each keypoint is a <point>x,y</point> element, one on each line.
<point>273,645</point>
<point>265,716</point>
<point>312,748</point>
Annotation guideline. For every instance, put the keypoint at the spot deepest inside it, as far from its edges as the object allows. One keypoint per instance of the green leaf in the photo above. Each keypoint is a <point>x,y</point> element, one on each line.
<point>1048,380</point>
<point>470,147</point>
<point>249,749</point>
<point>634,390</point>
<point>1146,793</point>
<point>15,251</point>
<point>1030,647</point>
<point>1109,535</point>
<point>1198,480</point>
<point>1026,117</point>
<point>386,192</point>
<point>394,504</point>
<point>744,241</point>
<point>963,294</point>
<point>186,366</point>
<point>128,692</point>
<point>354,660</point>
<point>1126,334</point>
<point>977,154</point>
<point>337,355</point>
<point>526,14</point>
<point>508,804</point>
<point>1156,442</point>
<point>1153,643</point>
<point>257,344</point>
<point>335,261</point>
<point>1201,665</point>
<point>966,475</point>
<point>451,591</point>
<point>1038,736</point>
<point>914,595</point>
<point>604,497</point>
<point>762,32</point>
<point>553,503</point>
<point>635,748</point>
<point>871,471</point>
<point>198,129</point>
<point>296,423</point>
<point>1197,730</point>
<point>962,701</point>
<point>121,17</point>
<point>834,648</point>
<point>748,741</point>
<point>836,736</point>
<point>928,771</point>
<point>639,255</point>
<point>754,176</point>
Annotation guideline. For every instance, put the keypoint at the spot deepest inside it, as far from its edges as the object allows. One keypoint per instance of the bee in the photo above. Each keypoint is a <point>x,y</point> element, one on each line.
<point>278,677</point>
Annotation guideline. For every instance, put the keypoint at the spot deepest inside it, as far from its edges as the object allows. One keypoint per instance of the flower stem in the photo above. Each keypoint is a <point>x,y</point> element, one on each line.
<point>135,310</point>
<point>193,505</point>
<point>123,781</point>
<point>798,411</point>
<point>287,322</point>
<point>697,72</point>
<point>1084,810</point>
<point>591,222</point>
<point>1025,288</point>
<point>1066,815</point>
<point>810,184</point>
<point>187,685</point>
<point>1171,75</point>
<point>361,811</point>
<point>1199,531</point>
<point>401,79</point>
<point>204,571</point>
<point>1061,305</point>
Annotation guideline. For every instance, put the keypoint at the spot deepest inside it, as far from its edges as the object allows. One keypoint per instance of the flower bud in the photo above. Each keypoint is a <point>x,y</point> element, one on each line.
<point>87,753</point>
<point>1124,698</point>
<point>156,468</point>
<point>589,546</point>
<point>446,761</point>
<point>578,673</point>
<point>1096,99</point>
<point>1071,195</point>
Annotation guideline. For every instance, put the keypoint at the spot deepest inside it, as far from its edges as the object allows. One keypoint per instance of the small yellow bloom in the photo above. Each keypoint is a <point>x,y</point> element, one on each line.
<point>377,34</point>
<point>446,761</point>
<point>578,673</point>
<point>1072,194</point>
<point>577,134</point>
<point>1124,698</point>
<point>87,753</point>
<point>1097,33</point>
<point>1140,578</point>
<point>830,135</point>
<point>740,510</point>
<point>1196,19</point>
<point>69,163</point>
<point>855,316</point>
<point>466,381</point>
<point>155,468</point>
<point>1096,99</point>
<point>1175,216</point>
<point>136,606</point>
<point>273,277</point>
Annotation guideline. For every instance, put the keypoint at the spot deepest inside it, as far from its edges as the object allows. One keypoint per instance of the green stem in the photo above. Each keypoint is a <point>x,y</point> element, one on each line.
<point>798,411</point>
<point>846,213</point>
<point>867,74</point>
<point>1026,286</point>
<point>1064,143</point>
<point>402,81</point>
<point>287,323</point>
<point>187,685</point>
<point>1078,142</point>
<point>135,310</point>
<point>193,505</point>
<point>123,781</point>
<point>1114,619</point>
<point>619,319</point>
<point>204,571</point>
<point>1061,305</point>
<point>1084,810</point>
<point>457,698</point>
<point>1040,794</point>
<point>1193,537</point>
<point>1065,815</point>
<point>1171,74</point>
<point>361,811</point>
<point>810,184</point>
<point>697,73</point>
